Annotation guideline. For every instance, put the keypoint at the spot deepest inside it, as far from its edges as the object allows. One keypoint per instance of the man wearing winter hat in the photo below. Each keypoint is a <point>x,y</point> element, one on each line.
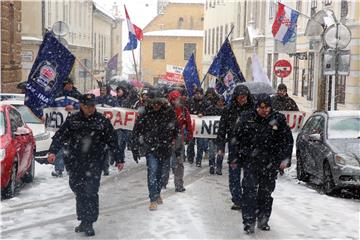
<point>282,102</point>
<point>154,134</point>
<point>241,101</point>
<point>264,143</point>
<point>84,136</point>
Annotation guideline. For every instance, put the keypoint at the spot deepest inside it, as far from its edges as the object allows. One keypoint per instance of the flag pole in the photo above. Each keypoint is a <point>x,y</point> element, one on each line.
<point>231,30</point>
<point>137,77</point>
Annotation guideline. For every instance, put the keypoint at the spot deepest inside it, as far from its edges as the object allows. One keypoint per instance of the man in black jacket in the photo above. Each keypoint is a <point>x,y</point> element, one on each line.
<point>265,145</point>
<point>84,136</point>
<point>155,131</point>
<point>241,101</point>
<point>282,101</point>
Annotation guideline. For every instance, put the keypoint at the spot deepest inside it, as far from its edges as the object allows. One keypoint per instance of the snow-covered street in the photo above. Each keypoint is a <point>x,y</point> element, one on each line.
<point>46,209</point>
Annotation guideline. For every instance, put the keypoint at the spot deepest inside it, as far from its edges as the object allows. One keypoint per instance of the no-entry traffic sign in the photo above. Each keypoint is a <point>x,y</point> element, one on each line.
<point>282,68</point>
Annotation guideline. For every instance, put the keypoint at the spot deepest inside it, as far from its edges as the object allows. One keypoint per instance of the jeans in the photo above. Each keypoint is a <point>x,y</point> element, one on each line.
<point>157,170</point>
<point>190,151</point>
<point>123,139</point>
<point>234,178</point>
<point>202,144</point>
<point>59,161</point>
<point>213,155</point>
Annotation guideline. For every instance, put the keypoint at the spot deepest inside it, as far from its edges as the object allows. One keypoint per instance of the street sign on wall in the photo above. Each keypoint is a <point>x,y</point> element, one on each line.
<point>282,68</point>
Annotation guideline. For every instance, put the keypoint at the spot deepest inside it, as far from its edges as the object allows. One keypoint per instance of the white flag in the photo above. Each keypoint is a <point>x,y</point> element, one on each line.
<point>257,71</point>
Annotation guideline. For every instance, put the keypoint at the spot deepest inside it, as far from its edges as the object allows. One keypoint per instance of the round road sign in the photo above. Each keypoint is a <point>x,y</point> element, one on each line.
<point>282,68</point>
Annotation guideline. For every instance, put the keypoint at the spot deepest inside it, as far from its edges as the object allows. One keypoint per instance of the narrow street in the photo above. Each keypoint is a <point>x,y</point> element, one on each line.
<point>46,209</point>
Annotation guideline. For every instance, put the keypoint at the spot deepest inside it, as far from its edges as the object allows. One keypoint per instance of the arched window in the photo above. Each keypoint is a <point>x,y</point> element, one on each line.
<point>180,22</point>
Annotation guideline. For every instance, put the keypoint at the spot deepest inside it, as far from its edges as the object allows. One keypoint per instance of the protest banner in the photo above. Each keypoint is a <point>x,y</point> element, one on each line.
<point>124,118</point>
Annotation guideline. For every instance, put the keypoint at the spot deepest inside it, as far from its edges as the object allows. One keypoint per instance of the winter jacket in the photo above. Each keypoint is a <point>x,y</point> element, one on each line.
<point>84,140</point>
<point>230,115</point>
<point>107,101</point>
<point>263,142</point>
<point>154,132</point>
<point>182,115</point>
<point>196,106</point>
<point>129,98</point>
<point>74,93</point>
<point>283,103</point>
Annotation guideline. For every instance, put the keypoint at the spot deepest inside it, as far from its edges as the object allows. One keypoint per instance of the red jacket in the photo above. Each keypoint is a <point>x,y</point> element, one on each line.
<point>182,114</point>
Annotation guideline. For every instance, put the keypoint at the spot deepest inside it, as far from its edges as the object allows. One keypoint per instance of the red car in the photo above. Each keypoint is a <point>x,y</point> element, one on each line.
<point>17,148</point>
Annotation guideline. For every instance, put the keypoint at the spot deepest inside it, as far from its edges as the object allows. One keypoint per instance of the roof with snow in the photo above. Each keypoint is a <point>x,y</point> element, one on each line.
<point>187,1</point>
<point>176,33</point>
<point>103,10</point>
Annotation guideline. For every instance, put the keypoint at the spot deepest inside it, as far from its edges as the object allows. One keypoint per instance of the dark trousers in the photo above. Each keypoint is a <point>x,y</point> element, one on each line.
<point>234,178</point>
<point>86,188</point>
<point>190,151</point>
<point>258,186</point>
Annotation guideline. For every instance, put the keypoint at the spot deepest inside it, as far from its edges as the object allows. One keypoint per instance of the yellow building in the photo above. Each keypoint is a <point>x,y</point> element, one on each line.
<point>170,38</point>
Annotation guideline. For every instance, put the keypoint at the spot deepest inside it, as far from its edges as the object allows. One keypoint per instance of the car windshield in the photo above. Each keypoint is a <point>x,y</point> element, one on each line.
<point>2,124</point>
<point>344,127</point>
<point>27,115</point>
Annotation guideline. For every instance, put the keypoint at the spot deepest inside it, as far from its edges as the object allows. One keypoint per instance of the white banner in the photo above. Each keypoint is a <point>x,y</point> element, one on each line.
<point>124,118</point>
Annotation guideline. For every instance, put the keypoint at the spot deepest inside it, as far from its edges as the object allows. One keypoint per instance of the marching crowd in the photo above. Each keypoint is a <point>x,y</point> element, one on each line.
<point>257,136</point>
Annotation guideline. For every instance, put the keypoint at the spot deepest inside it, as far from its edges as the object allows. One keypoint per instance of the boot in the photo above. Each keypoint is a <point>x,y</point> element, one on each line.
<point>180,189</point>
<point>249,228</point>
<point>236,207</point>
<point>218,171</point>
<point>159,200</point>
<point>212,170</point>
<point>263,224</point>
<point>80,228</point>
<point>153,206</point>
<point>57,173</point>
<point>89,230</point>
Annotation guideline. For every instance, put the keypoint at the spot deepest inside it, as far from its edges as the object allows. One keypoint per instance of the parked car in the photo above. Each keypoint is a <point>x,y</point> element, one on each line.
<point>42,136</point>
<point>17,148</point>
<point>328,150</point>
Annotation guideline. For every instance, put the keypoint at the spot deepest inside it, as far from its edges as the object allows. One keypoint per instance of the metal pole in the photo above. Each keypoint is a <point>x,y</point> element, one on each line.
<point>137,77</point>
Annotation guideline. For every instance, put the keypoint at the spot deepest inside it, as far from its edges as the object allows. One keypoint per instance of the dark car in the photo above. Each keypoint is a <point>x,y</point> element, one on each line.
<point>17,148</point>
<point>328,150</point>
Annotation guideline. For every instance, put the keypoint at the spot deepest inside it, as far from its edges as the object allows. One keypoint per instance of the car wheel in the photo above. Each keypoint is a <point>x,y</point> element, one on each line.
<point>30,174</point>
<point>328,181</point>
<point>9,191</point>
<point>300,172</point>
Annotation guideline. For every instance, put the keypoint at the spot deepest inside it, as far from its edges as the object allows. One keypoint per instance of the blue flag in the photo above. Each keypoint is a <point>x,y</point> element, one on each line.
<point>52,65</point>
<point>191,77</point>
<point>226,69</point>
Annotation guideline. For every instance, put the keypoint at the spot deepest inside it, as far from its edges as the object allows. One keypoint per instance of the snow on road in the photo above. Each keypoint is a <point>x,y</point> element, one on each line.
<point>46,210</point>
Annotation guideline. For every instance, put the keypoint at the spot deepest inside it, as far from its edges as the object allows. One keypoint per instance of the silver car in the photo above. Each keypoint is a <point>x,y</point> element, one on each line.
<point>328,150</point>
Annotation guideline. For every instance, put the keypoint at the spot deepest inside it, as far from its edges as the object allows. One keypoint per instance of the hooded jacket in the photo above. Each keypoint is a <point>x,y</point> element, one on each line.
<point>231,114</point>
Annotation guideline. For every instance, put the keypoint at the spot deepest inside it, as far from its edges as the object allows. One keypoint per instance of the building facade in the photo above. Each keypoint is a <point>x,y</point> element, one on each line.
<point>252,22</point>
<point>93,33</point>
<point>170,39</point>
<point>10,45</point>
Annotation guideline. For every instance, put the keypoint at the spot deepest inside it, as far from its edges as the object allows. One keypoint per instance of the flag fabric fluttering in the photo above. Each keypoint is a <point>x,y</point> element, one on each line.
<point>52,65</point>
<point>191,77</point>
<point>284,26</point>
<point>113,63</point>
<point>226,69</point>
<point>257,70</point>
<point>135,33</point>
